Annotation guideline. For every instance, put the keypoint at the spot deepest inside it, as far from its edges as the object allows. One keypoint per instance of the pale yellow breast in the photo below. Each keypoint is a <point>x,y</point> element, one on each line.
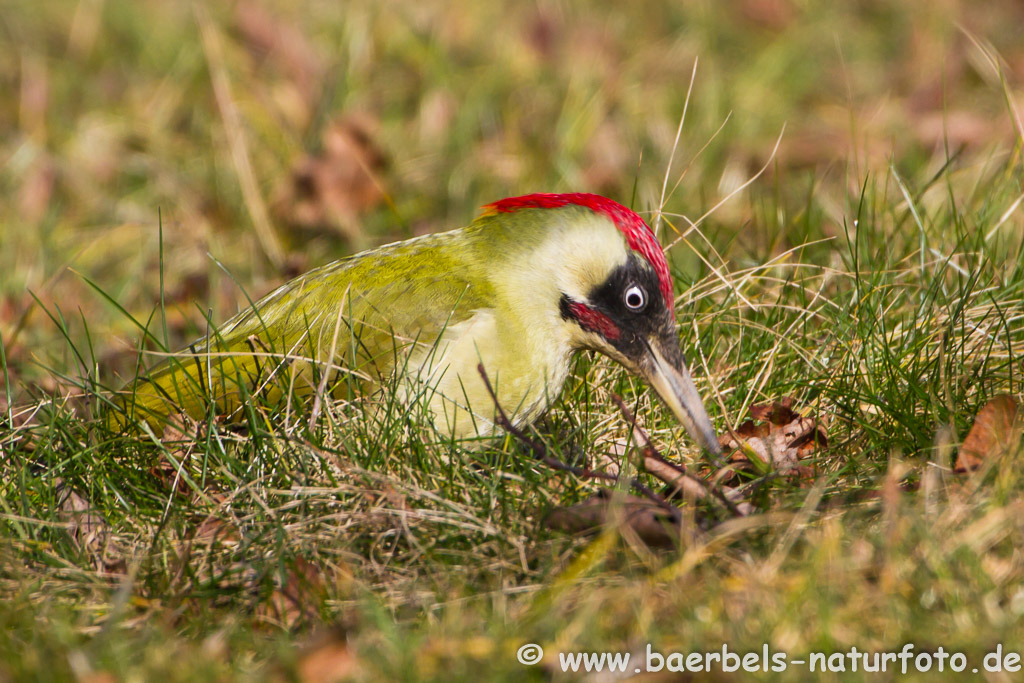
<point>521,339</point>
<point>526,376</point>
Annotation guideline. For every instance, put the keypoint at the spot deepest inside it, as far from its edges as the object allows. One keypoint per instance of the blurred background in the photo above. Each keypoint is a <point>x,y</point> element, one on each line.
<point>266,137</point>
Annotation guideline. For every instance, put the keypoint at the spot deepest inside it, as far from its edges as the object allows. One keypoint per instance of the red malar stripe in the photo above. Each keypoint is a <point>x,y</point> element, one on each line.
<point>595,321</point>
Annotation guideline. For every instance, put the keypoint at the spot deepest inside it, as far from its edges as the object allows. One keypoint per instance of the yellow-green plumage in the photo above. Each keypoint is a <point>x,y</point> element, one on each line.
<point>432,307</point>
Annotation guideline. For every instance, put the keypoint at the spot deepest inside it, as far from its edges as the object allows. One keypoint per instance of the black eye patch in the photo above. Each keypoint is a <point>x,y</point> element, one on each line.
<point>630,291</point>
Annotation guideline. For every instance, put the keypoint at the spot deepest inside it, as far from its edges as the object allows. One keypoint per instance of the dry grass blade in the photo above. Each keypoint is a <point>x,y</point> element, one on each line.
<point>236,139</point>
<point>329,365</point>
<point>672,155</point>
<point>814,281</point>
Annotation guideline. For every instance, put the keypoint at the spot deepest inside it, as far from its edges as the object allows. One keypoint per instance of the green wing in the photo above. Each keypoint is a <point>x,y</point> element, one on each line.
<point>371,308</point>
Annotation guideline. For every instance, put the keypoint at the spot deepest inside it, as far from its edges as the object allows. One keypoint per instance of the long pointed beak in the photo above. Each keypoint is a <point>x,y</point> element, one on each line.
<point>664,369</point>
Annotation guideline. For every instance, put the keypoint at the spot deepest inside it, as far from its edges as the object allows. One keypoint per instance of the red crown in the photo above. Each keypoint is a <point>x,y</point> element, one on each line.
<point>638,234</point>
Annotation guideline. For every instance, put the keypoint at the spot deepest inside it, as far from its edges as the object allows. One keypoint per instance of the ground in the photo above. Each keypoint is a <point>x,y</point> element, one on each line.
<point>839,186</point>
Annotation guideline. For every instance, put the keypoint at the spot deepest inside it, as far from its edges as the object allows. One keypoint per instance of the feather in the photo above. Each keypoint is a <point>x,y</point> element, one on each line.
<point>429,308</point>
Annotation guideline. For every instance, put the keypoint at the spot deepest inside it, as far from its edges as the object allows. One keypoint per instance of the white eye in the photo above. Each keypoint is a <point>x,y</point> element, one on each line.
<point>635,298</point>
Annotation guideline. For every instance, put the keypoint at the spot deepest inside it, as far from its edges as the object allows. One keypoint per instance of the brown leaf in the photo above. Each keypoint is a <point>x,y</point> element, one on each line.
<point>772,14</point>
<point>649,521</point>
<point>297,599</point>
<point>88,530</point>
<point>747,430</point>
<point>97,677</point>
<point>778,412</point>
<point>327,659</point>
<point>332,188</point>
<point>36,190</point>
<point>781,440</point>
<point>676,475</point>
<point>994,429</point>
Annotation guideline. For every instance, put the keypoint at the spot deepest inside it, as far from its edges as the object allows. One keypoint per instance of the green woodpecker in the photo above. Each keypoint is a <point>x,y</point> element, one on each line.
<point>530,282</point>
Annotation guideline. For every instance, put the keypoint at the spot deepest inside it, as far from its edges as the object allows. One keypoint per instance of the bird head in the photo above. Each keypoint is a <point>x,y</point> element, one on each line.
<point>613,292</point>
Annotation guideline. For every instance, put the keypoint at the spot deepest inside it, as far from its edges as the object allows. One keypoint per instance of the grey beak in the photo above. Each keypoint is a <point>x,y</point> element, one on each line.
<point>665,370</point>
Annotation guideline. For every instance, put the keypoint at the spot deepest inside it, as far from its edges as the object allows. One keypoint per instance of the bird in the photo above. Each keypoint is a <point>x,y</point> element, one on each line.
<point>533,280</point>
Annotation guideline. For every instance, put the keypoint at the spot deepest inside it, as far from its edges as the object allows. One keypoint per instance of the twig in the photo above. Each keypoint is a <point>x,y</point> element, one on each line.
<point>673,474</point>
<point>540,451</point>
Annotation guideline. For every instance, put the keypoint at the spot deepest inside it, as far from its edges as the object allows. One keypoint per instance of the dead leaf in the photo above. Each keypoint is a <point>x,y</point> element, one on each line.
<point>36,190</point>
<point>327,659</point>
<point>781,441</point>
<point>675,475</point>
<point>994,429</point>
<point>332,188</point>
<point>88,530</point>
<point>771,14</point>
<point>297,599</point>
<point>97,677</point>
<point>649,521</point>
<point>778,412</point>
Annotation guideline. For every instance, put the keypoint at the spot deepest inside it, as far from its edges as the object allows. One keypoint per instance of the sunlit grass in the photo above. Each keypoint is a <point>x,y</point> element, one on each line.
<point>873,272</point>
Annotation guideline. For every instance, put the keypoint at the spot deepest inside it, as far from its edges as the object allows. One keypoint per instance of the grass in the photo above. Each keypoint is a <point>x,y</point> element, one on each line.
<point>873,272</point>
